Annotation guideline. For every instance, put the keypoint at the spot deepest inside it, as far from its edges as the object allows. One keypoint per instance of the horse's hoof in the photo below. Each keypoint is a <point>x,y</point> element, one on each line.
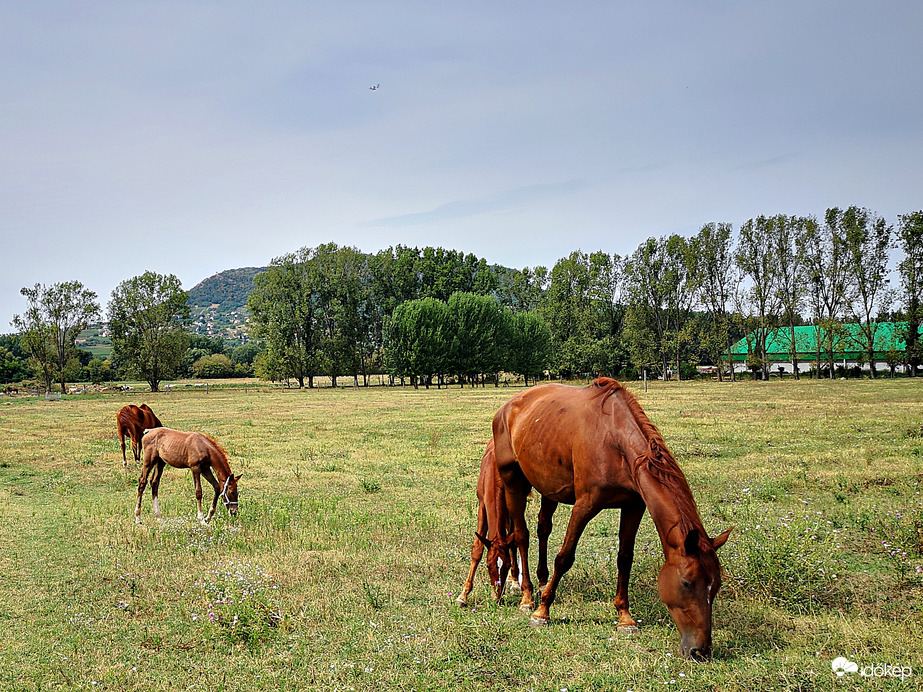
<point>526,607</point>
<point>462,603</point>
<point>515,588</point>
<point>627,629</point>
<point>538,622</point>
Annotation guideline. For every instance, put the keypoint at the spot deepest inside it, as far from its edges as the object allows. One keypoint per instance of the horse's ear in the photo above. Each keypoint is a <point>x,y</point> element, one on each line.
<point>721,538</point>
<point>237,478</point>
<point>691,542</point>
<point>483,540</point>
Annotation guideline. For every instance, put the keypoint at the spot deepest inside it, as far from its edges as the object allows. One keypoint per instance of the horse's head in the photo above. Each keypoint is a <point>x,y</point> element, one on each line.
<point>498,562</point>
<point>229,494</point>
<point>688,583</point>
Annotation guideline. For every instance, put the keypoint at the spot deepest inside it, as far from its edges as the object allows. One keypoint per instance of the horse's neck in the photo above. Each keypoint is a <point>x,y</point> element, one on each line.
<point>670,506</point>
<point>221,468</point>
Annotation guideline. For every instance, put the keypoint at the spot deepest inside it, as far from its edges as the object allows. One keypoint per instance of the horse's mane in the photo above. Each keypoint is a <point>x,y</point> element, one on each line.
<point>657,460</point>
<point>221,451</point>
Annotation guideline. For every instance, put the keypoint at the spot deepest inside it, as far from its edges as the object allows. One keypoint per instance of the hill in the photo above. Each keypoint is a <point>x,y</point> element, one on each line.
<point>218,304</point>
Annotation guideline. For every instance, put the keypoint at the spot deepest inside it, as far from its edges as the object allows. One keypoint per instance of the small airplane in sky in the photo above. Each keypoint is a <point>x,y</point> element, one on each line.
<point>374,87</point>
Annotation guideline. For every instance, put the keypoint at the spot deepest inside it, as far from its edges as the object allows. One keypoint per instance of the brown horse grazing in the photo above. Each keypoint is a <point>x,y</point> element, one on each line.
<point>492,532</point>
<point>594,447</point>
<point>187,450</point>
<point>133,420</point>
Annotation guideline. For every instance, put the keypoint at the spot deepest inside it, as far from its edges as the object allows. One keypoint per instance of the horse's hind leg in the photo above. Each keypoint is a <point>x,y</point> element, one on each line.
<point>136,445</point>
<point>544,531</point>
<point>155,487</point>
<point>142,483</point>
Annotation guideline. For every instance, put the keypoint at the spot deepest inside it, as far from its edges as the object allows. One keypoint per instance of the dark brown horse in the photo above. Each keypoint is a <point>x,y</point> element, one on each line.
<point>133,420</point>
<point>187,450</point>
<point>594,447</point>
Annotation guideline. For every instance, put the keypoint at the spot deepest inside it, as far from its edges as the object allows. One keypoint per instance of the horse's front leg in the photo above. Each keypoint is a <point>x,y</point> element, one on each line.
<point>629,521</point>
<point>197,480</point>
<point>477,552</point>
<point>210,477</point>
<point>580,516</point>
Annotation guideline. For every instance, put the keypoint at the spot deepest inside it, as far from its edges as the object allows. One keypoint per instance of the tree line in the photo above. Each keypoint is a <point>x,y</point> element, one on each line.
<point>433,315</point>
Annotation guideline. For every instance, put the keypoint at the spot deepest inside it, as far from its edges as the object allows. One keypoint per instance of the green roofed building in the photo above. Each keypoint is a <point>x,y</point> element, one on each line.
<point>848,349</point>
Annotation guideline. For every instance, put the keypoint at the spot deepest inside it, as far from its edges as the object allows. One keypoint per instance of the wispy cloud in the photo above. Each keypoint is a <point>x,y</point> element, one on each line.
<point>465,208</point>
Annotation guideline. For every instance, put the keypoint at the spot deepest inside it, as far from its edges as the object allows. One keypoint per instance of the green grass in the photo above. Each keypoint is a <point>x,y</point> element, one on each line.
<point>354,536</point>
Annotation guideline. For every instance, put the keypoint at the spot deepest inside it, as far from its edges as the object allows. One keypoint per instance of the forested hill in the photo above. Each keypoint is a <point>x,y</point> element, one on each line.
<point>218,305</point>
<point>226,291</point>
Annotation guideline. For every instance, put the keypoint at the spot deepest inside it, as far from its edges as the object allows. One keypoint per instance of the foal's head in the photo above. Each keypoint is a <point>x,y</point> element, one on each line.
<point>229,494</point>
<point>688,583</point>
<point>498,562</point>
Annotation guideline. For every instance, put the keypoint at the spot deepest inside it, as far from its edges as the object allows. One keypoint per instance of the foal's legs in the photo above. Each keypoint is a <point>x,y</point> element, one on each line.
<point>629,521</point>
<point>516,503</point>
<point>210,477</point>
<point>544,530</point>
<point>580,516</point>
<point>142,483</point>
<point>477,552</point>
<point>196,479</point>
<point>155,487</point>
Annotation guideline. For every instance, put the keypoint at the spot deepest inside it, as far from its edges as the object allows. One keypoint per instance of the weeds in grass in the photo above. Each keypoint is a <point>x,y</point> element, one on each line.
<point>237,599</point>
<point>792,558</point>
<point>370,485</point>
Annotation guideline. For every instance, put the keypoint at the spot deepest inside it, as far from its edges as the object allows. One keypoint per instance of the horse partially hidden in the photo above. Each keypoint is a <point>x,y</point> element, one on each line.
<point>492,532</point>
<point>187,450</point>
<point>133,420</point>
<point>595,448</point>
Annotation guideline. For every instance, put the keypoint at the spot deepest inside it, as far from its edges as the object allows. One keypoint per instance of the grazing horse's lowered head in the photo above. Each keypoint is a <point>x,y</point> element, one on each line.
<point>229,494</point>
<point>688,583</point>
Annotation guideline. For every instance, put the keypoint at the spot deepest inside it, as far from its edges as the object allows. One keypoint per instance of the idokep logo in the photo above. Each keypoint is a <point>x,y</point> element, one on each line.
<point>843,665</point>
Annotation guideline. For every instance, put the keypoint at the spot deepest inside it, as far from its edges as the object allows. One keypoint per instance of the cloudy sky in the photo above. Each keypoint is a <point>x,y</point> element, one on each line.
<point>189,137</point>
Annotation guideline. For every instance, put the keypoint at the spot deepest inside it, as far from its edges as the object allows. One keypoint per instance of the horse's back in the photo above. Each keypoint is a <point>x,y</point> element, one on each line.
<point>563,439</point>
<point>177,447</point>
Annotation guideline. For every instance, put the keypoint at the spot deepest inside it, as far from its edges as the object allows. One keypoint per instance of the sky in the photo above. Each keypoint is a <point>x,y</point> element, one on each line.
<point>188,137</point>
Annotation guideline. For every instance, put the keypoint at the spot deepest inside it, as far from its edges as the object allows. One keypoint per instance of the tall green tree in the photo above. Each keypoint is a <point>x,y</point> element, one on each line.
<point>825,271</point>
<point>530,345</point>
<point>717,283</point>
<point>347,343</point>
<point>651,286</point>
<point>284,312</point>
<point>581,308</point>
<point>756,258</point>
<point>51,322</point>
<point>147,318</point>
<point>866,240</point>
<point>910,239</point>
<point>417,340</point>
<point>522,290</point>
<point>785,233</point>
<point>479,335</point>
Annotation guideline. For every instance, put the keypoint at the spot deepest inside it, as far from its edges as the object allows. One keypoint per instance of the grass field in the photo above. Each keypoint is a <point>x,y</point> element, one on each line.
<point>357,515</point>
